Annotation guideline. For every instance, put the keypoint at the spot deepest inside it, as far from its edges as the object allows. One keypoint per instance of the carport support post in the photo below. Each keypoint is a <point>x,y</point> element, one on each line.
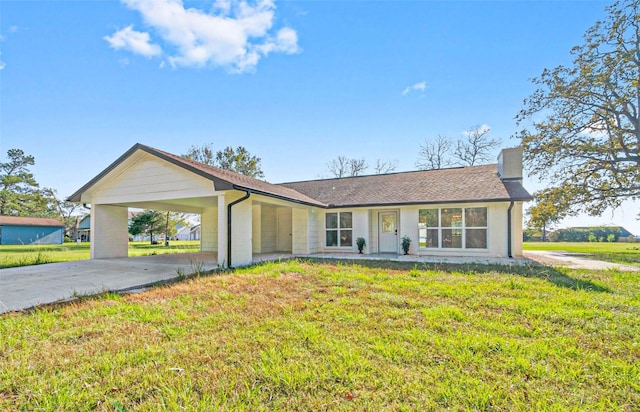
<point>109,232</point>
<point>222,232</point>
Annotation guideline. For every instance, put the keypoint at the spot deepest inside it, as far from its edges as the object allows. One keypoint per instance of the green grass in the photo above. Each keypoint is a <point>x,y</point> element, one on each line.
<point>298,335</point>
<point>25,255</point>
<point>624,253</point>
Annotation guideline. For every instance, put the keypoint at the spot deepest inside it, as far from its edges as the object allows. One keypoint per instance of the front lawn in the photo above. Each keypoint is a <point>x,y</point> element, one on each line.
<point>297,335</point>
<point>624,253</point>
<point>25,255</point>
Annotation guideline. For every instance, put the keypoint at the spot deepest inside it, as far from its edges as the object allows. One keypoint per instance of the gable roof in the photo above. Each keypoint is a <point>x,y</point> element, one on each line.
<point>29,221</point>
<point>222,179</point>
<point>455,185</point>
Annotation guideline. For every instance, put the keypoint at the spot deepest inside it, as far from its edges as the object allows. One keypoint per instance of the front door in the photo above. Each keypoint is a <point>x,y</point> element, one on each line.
<point>283,235</point>
<point>388,232</point>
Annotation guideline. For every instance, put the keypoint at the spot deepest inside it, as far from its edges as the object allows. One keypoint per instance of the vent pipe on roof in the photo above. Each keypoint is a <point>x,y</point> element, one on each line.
<point>235,202</point>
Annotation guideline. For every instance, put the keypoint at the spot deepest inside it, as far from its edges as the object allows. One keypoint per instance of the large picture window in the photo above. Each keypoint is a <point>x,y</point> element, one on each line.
<point>453,228</point>
<point>339,228</point>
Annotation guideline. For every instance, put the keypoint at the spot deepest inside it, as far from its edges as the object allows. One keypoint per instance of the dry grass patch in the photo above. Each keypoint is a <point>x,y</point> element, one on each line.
<point>304,336</point>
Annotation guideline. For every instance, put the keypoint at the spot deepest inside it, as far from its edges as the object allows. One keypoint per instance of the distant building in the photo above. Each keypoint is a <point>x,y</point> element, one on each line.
<point>84,229</point>
<point>15,230</point>
<point>623,232</point>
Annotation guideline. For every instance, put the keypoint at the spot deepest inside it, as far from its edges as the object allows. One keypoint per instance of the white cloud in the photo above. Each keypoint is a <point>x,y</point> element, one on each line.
<point>2,65</point>
<point>235,34</point>
<point>133,41</point>
<point>596,130</point>
<point>484,128</point>
<point>418,87</point>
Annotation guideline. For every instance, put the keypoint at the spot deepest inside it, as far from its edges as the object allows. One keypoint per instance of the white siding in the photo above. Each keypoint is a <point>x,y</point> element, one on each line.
<point>300,226</point>
<point>256,229</point>
<point>110,231</point>
<point>316,230</point>
<point>209,230</point>
<point>269,228</point>
<point>151,179</point>
<point>360,224</point>
<point>409,227</point>
<point>241,234</point>
<point>516,230</point>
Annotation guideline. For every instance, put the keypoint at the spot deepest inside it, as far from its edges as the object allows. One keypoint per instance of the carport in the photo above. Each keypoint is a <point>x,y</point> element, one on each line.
<point>240,216</point>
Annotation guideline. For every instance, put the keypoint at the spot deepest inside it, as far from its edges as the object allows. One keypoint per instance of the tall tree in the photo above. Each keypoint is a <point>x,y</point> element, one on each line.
<point>20,194</point>
<point>155,222</point>
<point>476,147</point>
<point>552,205</point>
<point>203,154</point>
<point>343,166</point>
<point>238,160</point>
<point>434,154</point>
<point>581,127</point>
<point>147,223</point>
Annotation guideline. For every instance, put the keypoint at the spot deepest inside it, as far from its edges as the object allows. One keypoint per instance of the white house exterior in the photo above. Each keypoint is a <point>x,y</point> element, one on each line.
<point>466,211</point>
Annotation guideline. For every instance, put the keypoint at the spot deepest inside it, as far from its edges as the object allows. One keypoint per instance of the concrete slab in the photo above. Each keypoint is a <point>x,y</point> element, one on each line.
<point>573,261</point>
<point>27,286</point>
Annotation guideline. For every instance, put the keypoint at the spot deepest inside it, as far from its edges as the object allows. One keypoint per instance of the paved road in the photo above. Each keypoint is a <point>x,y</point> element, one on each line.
<point>26,286</point>
<point>574,261</point>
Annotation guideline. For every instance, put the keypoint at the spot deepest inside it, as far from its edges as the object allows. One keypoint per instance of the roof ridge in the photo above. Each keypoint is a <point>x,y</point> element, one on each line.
<point>388,174</point>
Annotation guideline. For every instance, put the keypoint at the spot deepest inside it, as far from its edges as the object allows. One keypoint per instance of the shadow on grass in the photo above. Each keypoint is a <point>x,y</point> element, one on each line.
<point>547,273</point>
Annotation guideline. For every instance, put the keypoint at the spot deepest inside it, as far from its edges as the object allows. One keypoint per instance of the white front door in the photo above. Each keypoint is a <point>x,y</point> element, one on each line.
<point>388,232</point>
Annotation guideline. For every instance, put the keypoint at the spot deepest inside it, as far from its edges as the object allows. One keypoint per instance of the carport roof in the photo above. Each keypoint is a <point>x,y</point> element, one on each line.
<point>223,179</point>
<point>454,185</point>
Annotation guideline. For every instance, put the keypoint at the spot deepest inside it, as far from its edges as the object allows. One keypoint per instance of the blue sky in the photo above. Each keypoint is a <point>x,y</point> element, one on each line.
<point>296,82</point>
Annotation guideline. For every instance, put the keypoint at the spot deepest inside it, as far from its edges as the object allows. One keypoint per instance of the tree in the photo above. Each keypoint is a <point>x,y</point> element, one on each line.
<point>70,213</point>
<point>238,160</point>
<point>476,147</point>
<point>147,223</point>
<point>385,166</point>
<point>551,206</point>
<point>343,166</point>
<point>434,154</point>
<point>203,154</point>
<point>583,132</point>
<point>20,194</point>
<point>150,222</point>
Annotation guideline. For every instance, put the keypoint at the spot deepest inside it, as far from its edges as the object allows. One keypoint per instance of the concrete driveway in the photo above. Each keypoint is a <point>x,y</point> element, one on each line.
<point>27,286</point>
<point>573,260</point>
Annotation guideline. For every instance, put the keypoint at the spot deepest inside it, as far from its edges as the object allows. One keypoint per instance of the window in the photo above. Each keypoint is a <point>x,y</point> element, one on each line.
<point>338,229</point>
<point>453,228</point>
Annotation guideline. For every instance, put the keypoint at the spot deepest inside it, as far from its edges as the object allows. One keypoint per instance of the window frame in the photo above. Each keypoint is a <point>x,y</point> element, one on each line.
<point>462,228</point>
<point>338,229</point>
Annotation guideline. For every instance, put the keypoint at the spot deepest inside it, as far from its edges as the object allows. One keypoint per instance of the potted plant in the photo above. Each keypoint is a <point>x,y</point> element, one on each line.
<point>406,243</point>
<point>361,244</point>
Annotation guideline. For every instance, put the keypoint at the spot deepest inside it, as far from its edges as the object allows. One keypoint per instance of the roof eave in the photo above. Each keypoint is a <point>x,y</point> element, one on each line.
<point>438,202</point>
<point>279,197</point>
<point>219,184</point>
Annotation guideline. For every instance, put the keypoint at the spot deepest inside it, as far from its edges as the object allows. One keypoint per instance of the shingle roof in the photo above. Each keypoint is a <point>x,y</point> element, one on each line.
<point>239,181</point>
<point>29,221</point>
<point>223,179</point>
<point>463,184</point>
